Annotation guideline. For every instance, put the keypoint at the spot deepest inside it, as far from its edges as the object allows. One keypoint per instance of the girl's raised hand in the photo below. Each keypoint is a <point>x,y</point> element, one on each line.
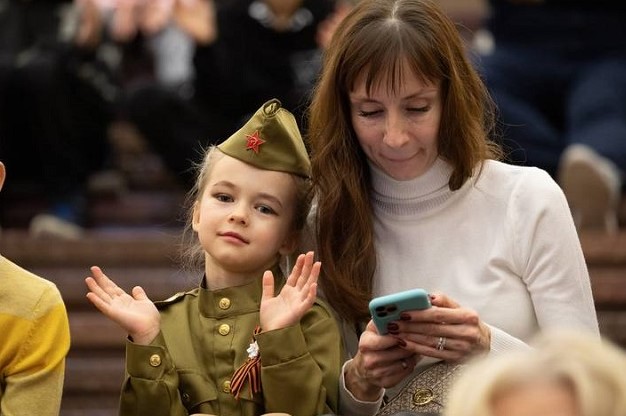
<point>136,314</point>
<point>295,298</point>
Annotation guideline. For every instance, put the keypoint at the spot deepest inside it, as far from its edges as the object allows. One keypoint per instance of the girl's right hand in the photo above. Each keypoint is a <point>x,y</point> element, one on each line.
<point>136,314</point>
<point>380,362</point>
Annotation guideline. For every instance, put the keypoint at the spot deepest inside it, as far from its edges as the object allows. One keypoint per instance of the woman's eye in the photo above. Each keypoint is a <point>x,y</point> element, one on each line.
<point>419,109</point>
<point>368,113</point>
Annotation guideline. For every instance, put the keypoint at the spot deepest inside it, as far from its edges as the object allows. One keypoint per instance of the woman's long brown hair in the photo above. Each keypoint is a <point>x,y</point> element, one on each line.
<point>376,40</point>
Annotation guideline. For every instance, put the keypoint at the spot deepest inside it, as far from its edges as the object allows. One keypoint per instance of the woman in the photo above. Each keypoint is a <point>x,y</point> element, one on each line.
<point>410,195</point>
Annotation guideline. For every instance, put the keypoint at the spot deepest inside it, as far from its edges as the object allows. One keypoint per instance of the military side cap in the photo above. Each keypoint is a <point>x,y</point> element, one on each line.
<point>270,140</point>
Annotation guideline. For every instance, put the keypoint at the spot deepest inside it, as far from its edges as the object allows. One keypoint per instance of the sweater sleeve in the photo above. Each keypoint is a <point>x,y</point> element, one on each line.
<point>34,379</point>
<point>549,258</point>
<point>301,364</point>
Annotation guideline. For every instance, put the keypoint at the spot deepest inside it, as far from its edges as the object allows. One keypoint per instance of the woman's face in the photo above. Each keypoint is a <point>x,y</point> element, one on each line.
<point>398,131</point>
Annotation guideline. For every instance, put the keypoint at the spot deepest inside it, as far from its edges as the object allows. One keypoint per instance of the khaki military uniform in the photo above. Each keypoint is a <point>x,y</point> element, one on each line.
<point>203,340</point>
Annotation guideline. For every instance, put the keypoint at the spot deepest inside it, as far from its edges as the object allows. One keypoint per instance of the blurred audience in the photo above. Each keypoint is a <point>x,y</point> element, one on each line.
<point>566,374</point>
<point>245,51</point>
<point>56,93</point>
<point>557,73</point>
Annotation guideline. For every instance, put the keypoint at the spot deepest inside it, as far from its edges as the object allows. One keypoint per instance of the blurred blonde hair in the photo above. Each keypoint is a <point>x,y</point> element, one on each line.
<point>593,369</point>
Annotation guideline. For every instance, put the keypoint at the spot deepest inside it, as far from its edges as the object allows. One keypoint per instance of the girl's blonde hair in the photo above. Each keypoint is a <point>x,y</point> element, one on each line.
<point>192,253</point>
<point>593,370</point>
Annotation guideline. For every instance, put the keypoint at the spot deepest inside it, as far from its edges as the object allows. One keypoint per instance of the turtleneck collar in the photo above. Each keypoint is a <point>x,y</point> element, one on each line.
<point>411,196</point>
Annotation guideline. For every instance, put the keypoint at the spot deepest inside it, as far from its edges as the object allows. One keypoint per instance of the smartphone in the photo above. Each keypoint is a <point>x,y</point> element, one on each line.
<point>385,309</point>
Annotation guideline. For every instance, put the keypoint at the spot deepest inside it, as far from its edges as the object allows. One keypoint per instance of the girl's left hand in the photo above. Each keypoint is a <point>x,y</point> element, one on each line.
<point>295,298</point>
<point>446,331</point>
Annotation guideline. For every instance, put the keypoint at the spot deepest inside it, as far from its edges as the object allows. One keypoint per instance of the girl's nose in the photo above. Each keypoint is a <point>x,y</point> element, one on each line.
<point>238,216</point>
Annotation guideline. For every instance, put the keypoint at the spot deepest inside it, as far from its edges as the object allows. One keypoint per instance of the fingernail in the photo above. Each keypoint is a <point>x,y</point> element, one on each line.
<point>405,317</point>
<point>392,326</point>
<point>401,342</point>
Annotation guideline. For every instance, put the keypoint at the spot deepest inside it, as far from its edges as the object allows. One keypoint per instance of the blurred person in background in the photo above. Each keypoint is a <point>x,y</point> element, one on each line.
<point>565,374</point>
<point>56,93</point>
<point>245,51</point>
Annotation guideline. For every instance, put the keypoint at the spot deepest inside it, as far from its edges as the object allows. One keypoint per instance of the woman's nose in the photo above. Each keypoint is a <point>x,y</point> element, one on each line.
<point>396,134</point>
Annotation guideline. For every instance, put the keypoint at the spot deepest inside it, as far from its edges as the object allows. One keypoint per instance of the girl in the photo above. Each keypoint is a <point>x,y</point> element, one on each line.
<point>233,346</point>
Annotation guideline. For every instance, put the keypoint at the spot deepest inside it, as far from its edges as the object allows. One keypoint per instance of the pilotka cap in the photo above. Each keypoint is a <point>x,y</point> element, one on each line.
<point>270,140</point>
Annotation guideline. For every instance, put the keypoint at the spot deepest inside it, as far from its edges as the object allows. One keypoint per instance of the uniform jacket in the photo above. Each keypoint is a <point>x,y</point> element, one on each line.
<point>203,340</point>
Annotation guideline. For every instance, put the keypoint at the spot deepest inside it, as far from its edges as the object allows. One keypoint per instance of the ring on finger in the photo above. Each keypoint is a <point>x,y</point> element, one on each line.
<point>441,344</point>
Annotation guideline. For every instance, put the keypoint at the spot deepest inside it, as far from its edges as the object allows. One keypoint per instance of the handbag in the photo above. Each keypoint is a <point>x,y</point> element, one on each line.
<point>427,392</point>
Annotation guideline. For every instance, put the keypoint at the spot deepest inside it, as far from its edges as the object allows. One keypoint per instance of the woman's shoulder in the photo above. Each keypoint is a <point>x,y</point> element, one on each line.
<point>499,174</point>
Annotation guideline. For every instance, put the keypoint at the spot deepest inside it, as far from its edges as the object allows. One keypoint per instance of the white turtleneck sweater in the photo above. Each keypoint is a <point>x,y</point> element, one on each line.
<point>504,245</point>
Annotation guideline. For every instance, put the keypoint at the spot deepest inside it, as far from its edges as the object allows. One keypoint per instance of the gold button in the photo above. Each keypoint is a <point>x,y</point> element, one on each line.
<point>224,303</point>
<point>226,386</point>
<point>155,360</point>
<point>224,329</point>
<point>423,396</point>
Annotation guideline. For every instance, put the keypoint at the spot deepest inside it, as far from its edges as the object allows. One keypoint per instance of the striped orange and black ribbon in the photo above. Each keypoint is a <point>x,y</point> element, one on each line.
<point>250,370</point>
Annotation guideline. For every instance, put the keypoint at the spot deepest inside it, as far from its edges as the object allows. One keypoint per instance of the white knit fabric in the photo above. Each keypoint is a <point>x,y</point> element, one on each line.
<point>504,245</point>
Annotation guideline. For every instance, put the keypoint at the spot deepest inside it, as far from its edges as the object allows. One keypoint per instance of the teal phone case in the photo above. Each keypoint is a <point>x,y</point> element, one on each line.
<point>385,309</point>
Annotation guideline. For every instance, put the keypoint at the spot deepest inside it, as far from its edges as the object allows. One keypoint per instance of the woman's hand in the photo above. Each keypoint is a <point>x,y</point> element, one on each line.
<point>136,314</point>
<point>295,298</point>
<point>446,331</point>
<point>382,361</point>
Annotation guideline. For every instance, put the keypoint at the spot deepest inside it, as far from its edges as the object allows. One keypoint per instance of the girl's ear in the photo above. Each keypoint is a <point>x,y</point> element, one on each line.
<point>290,244</point>
<point>195,218</point>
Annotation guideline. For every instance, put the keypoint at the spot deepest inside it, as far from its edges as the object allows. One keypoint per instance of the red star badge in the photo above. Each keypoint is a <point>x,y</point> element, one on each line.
<point>254,141</point>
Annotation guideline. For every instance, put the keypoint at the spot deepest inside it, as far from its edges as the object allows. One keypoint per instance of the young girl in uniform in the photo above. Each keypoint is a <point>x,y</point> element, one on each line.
<point>246,341</point>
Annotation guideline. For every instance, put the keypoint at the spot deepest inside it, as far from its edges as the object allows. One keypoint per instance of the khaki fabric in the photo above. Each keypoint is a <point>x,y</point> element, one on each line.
<point>270,140</point>
<point>203,340</point>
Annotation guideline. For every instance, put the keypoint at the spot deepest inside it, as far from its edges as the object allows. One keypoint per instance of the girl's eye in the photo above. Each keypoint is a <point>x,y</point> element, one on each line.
<point>223,198</point>
<point>264,209</point>
<point>419,109</point>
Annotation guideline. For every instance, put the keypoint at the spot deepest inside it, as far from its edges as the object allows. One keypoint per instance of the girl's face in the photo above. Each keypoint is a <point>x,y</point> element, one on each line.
<point>398,131</point>
<point>244,217</point>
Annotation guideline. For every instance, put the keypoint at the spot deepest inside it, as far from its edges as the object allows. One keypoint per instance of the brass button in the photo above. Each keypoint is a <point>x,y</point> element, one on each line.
<point>155,360</point>
<point>224,329</point>
<point>186,397</point>
<point>423,396</point>
<point>224,303</point>
<point>226,386</point>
